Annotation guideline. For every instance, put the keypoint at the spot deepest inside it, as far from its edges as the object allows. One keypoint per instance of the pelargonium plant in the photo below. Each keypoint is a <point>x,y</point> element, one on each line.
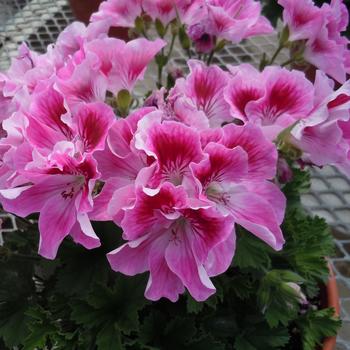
<point>183,204</point>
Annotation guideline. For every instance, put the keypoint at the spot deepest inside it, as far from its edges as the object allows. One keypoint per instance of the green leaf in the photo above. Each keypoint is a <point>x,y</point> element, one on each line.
<point>86,315</point>
<point>40,330</point>
<point>151,328</point>
<point>118,305</point>
<point>16,289</point>
<point>205,343</point>
<point>251,252</point>
<point>167,332</point>
<point>222,325</point>
<point>300,183</point>
<point>109,338</point>
<point>193,306</point>
<point>242,286</point>
<point>315,325</point>
<point>81,269</point>
<point>308,242</point>
<point>279,302</point>
<point>261,337</point>
<point>184,38</point>
<point>179,330</point>
<point>14,322</point>
<point>243,344</point>
<point>160,28</point>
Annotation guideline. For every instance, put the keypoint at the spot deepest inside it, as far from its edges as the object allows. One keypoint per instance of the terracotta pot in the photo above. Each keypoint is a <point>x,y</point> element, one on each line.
<point>83,9</point>
<point>332,301</point>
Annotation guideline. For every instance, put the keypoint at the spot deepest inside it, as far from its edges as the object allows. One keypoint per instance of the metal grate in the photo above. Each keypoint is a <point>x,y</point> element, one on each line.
<point>38,22</point>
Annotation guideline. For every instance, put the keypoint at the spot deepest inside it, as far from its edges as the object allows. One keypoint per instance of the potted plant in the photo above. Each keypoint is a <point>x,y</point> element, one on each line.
<point>173,222</point>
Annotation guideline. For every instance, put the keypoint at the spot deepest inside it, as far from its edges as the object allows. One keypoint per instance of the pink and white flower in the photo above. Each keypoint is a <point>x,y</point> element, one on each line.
<point>177,243</point>
<point>60,189</point>
<point>163,10</point>
<point>204,88</point>
<point>321,30</point>
<point>323,136</point>
<point>173,146</point>
<point>224,179</point>
<point>123,63</point>
<point>236,20</point>
<point>118,13</point>
<point>274,99</point>
<point>303,18</point>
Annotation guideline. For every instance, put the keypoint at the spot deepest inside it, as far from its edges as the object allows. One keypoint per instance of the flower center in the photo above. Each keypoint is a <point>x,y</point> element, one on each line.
<point>215,193</point>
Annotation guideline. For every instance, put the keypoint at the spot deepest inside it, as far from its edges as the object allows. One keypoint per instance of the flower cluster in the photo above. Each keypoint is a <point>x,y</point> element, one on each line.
<point>205,20</point>
<point>54,121</point>
<point>179,174</point>
<point>317,34</point>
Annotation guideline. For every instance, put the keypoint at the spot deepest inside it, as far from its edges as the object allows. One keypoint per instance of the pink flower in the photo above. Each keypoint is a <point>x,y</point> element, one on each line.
<point>118,13</point>
<point>204,88</point>
<point>188,183</point>
<point>177,243</point>
<point>120,162</point>
<point>236,20</point>
<point>123,63</point>
<point>284,172</point>
<point>26,71</point>
<point>203,41</point>
<point>324,135</point>
<point>52,170</point>
<point>14,150</point>
<point>274,99</point>
<point>49,123</point>
<point>84,84</point>
<point>303,18</point>
<point>262,153</point>
<point>173,146</point>
<point>191,11</point>
<point>227,178</point>
<point>163,10</point>
<point>325,48</point>
<point>72,39</point>
<point>179,108</point>
<point>61,192</point>
<point>7,105</point>
<point>245,86</point>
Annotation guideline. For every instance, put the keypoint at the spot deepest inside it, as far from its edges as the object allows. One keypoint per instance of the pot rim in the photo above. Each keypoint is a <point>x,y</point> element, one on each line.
<point>332,301</point>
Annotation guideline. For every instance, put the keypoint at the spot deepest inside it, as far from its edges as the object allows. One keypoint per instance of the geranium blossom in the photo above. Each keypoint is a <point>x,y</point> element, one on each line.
<point>217,172</point>
<point>61,191</point>
<point>321,30</point>
<point>204,88</point>
<point>56,172</point>
<point>174,241</point>
<point>123,64</point>
<point>273,99</point>
<point>196,162</point>
<point>324,135</point>
<point>118,13</point>
<point>236,20</point>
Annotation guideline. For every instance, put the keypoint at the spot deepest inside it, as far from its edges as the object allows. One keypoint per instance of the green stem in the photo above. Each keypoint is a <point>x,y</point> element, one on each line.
<point>160,73</point>
<point>278,50</point>
<point>189,53</point>
<point>171,47</point>
<point>291,60</point>
<point>144,33</point>
<point>210,58</point>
